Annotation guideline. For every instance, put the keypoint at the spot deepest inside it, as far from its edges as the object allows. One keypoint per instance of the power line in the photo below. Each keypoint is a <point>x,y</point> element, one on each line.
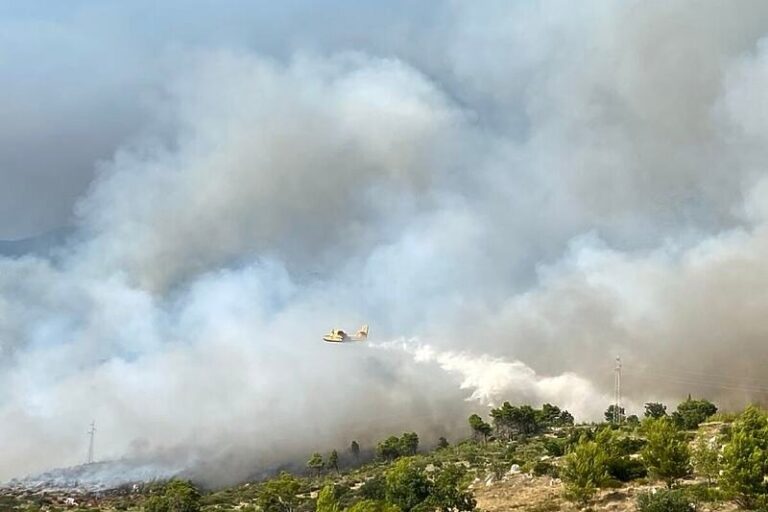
<point>698,382</point>
<point>694,374</point>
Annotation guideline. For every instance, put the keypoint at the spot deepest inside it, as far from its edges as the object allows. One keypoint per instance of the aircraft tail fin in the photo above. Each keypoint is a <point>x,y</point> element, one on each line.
<point>363,332</point>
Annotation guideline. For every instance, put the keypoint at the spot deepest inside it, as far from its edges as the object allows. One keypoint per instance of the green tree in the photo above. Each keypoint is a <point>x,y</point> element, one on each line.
<point>745,460</point>
<point>510,421</point>
<point>406,484</point>
<point>566,419</point>
<point>480,429</point>
<point>617,451</point>
<point>374,489</point>
<point>389,449</point>
<point>449,491</point>
<point>326,500</point>
<point>527,420</point>
<point>279,494</point>
<point>409,444</point>
<point>666,453</point>
<point>691,413</point>
<point>549,415</point>
<point>333,461</point>
<point>585,470</point>
<point>178,496</point>
<point>706,458</point>
<point>354,449</point>
<point>610,414</point>
<point>315,463</point>
<point>442,443</point>
<point>373,506</point>
<point>655,410</point>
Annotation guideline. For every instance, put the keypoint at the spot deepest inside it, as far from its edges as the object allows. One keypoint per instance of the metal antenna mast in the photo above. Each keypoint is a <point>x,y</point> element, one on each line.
<point>617,415</point>
<point>91,433</point>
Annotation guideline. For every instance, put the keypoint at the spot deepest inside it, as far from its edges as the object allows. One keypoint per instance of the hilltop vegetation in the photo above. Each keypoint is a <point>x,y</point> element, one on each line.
<point>522,458</point>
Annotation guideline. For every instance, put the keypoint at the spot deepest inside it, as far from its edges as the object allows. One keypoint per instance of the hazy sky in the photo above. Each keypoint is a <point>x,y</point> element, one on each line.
<point>80,78</point>
<point>509,193</point>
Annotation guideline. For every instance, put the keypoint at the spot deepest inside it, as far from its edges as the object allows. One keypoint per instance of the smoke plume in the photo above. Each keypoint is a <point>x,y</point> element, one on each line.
<point>524,191</point>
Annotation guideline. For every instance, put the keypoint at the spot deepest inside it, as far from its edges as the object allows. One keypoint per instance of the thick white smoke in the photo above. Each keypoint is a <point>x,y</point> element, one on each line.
<point>532,188</point>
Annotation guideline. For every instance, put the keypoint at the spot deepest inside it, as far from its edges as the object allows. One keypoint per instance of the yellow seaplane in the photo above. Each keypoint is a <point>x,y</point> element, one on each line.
<point>339,336</point>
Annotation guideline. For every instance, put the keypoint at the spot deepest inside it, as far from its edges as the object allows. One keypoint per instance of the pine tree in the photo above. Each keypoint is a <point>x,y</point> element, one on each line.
<point>655,410</point>
<point>333,461</point>
<point>480,429</point>
<point>585,470</point>
<point>666,454</point>
<point>315,463</point>
<point>745,460</point>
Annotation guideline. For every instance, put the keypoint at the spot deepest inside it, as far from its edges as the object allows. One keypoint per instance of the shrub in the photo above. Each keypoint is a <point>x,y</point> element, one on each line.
<point>625,469</point>
<point>555,447</point>
<point>542,468</point>
<point>374,489</point>
<point>618,448</point>
<point>499,469</point>
<point>584,472</point>
<point>406,485</point>
<point>629,445</point>
<point>372,506</point>
<point>326,500</point>
<point>666,455</point>
<point>664,501</point>
<point>449,492</point>
<point>745,460</point>
<point>704,493</point>
<point>725,417</point>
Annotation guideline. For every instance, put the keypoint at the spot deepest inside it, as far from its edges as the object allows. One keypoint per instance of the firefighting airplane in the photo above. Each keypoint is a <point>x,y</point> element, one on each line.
<point>339,336</point>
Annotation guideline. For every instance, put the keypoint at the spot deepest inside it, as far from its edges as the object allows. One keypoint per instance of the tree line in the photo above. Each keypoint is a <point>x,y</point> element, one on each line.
<point>511,422</point>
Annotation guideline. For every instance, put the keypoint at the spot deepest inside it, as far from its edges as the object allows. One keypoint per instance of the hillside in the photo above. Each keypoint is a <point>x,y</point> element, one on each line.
<point>533,472</point>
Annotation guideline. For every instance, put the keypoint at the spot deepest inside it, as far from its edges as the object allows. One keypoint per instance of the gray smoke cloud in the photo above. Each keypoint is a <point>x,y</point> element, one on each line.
<point>525,190</point>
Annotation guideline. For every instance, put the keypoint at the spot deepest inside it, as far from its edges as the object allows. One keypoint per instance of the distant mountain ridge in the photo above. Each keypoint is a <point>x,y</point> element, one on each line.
<point>39,245</point>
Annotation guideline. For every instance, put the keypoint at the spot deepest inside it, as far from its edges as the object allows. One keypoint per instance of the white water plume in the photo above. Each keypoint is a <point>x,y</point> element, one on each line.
<point>493,380</point>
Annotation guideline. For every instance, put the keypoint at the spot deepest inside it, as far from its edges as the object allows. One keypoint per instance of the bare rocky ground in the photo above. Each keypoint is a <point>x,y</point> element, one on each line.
<point>528,493</point>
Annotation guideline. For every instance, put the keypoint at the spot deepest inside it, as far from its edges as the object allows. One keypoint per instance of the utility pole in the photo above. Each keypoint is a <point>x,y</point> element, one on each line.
<point>91,433</point>
<point>617,416</point>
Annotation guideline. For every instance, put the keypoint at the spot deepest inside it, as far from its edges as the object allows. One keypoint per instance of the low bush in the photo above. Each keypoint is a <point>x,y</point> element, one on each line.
<point>629,445</point>
<point>698,493</point>
<point>555,447</point>
<point>625,469</point>
<point>664,501</point>
<point>541,468</point>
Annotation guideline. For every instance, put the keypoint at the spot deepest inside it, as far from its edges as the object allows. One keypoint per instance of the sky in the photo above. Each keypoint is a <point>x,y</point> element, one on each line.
<point>510,194</point>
